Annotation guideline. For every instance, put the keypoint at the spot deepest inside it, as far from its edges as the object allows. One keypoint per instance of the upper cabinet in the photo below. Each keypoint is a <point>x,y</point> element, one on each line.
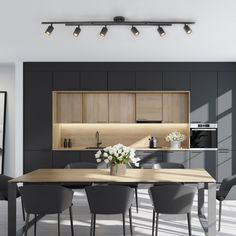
<point>66,81</point>
<point>149,81</point>
<point>149,107</point>
<point>121,108</point>
<point>95,108</point>
<point>121,80</point>
<point>175,107</point>
<point>94,81</point>
<point>176,81</point>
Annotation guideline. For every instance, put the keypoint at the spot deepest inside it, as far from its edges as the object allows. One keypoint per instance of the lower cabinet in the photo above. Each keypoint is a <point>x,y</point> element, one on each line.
<point>204,159</point>
<point>62,158</point>
<point>34,160</point>
<point>177,157</point>
<point>147,157</point>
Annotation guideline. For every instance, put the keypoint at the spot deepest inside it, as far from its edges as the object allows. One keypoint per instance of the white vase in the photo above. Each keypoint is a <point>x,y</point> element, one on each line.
<point>175,144</point>
<point>118,169</point>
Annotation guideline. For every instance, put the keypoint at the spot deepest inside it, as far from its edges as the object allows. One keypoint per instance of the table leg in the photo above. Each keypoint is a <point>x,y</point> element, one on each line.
<point>12,209</point>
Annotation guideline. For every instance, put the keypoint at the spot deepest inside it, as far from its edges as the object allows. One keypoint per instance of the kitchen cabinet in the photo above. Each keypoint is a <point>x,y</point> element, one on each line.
<point>63,158</point>
<point>121,108</point>
<point>66,81</point>
<point>227,110</point>
<point>94,81</point>
<point>121,80</point>
<point>149,107</point>
<point>204,159</point>
<point>203,97</point>
<point>176,81</point>
<point>175,108</point>
<point>34,160</point>
<point>181,157</point>
<point>148,81</point>
<point>95,108</point>
<point>148,157</point>
<point>68,108</point>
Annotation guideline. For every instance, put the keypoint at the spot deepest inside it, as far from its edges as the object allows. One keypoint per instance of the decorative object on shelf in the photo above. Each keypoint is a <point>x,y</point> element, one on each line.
<point>118,156</point>
<point>69,143</point>
<point>175,138</point>
<point>153,142</point>
<point>119,20</point>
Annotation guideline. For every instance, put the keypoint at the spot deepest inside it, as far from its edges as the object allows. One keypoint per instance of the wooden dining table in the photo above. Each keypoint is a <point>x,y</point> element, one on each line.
<point>141,176</point>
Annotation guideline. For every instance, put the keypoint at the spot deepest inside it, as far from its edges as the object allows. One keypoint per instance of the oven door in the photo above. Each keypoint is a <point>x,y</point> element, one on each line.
<point>203,138</point>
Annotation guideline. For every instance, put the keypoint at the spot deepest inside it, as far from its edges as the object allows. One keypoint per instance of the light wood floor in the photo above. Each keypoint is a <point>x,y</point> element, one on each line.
<point>169,225</point>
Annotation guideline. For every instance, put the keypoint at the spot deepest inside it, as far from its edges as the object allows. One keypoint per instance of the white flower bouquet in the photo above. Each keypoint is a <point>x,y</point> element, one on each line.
<point>175,136</point>
<point>117,154</point>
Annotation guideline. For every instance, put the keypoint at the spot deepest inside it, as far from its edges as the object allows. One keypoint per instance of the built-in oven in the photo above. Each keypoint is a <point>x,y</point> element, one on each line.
<point>203,135</point>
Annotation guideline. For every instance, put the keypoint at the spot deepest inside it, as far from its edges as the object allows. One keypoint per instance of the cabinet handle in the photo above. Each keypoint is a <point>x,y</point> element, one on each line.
<point>223,150</point>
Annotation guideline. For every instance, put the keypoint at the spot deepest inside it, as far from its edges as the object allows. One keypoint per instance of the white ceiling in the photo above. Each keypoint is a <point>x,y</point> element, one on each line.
<point>22,36</point>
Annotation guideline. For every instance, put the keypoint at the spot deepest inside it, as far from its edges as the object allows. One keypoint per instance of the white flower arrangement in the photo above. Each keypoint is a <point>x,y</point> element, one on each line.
<point>175,136</point>
<point>117,154</point>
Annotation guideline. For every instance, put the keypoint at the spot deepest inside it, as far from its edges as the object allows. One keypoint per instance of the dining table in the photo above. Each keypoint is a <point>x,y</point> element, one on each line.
<point>203,180</point>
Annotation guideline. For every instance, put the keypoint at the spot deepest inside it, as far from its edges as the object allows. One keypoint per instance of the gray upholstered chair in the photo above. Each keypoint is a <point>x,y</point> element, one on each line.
<point>44,200</point>
<point>162,165</point>
<point>171,199</point>
<point>109,199</point>
<point>4,191</point>
<point>227,191</point>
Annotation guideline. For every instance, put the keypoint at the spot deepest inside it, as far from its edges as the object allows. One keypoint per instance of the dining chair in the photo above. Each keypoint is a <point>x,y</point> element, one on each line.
<point>171,199</point>
<point>4,191</point>
<point>227,191</point>
<point>162,165</point>
<point>109,199</point>
<point>44,200</point>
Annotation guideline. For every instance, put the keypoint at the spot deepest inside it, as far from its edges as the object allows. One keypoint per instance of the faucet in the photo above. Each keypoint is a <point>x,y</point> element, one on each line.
<point>99,142</point>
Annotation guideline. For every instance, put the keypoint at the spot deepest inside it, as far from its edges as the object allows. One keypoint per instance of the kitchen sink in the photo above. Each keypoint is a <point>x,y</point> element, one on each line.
<point>94,147</point>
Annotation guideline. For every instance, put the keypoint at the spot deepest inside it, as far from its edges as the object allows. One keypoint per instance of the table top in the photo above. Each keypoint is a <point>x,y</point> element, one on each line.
<point>103,176</point>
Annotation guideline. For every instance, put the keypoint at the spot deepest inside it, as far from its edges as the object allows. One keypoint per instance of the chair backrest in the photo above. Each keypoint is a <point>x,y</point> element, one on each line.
<point>162,165</point>
<point>172,199</point>
<point>228,183</point>
<point>81,165</point>
<point>109,199</point>
<point>46,199</point>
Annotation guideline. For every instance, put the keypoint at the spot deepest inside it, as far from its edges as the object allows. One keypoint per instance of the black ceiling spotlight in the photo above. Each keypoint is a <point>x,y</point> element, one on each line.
<point>161,31</point>
<point>134,31</point>
<point>103,31</point>
<point>187,29</point>
<point>77,31</point>
<point>49,29</point>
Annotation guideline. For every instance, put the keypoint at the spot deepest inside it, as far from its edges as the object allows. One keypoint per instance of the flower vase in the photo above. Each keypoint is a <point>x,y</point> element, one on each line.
<point>175,144</point>
<point>118,169</point>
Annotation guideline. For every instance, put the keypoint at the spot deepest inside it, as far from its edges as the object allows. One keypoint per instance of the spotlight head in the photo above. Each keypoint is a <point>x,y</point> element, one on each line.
<point>187,29</point>
<point>49,30</point>
<point>135,31</point>
<point>103,31</point>
<point>161,31</point>
<point>77,31</point>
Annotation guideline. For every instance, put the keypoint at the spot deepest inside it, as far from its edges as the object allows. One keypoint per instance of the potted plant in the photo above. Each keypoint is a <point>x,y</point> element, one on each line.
<point>175,138</point>
<point>118,156</point>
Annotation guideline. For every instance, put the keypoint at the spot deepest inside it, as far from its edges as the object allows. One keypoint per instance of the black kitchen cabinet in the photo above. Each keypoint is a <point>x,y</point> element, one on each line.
<point>34,160</point>
<point>38,111</point>
<point>176,81</point>
<point>227,110</point>
<point>181,157</point>
<point>148,80</point>
<point>121,80</point>
<point>94,80</point>
<point>206,160</point>
<point>148,157</point>
<point>63,158</point>
<point>203,97</point>
<point>66,81</point>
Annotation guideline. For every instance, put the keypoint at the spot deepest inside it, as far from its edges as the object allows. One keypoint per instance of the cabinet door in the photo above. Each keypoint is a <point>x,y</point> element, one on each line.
<point>176,81</point>
<point>148,157</point>
<point>203,97</point>
<point>89,156</point>
<point>66,81</point>
<point>37,111</point>
<point>149,80</point>
<point>175,108</point>
<point>204,159</point>
<point>181,157</point>
<point>95,108</point>
<point>227,110</point>
<point>34,160</point>
<point>68,108</point>
<point>63,158</point>
<point>149,107</point>
<point>94,80</point>
<point>121,80</point>
<point>121,108</point>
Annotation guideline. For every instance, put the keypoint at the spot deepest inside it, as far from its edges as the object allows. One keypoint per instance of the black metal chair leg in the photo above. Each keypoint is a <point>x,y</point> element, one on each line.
<point>123,218</point>
<point>35,224</point>
<point>130,222</point>
<point>136,198</point>
<point>23,210</point>
<point>94,224</point>
<point>153,222</point>
<point>71,221</point>
<point>26,224</point>
<point>220,210</point>
<point>91,226</point>
<point>157,223</point>
<point>58,224</point>
<point>189,224</point>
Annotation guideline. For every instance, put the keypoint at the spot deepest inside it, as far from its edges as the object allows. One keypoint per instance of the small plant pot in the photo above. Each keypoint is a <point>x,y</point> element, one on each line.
<point>175,144</point>
<point>118,169</point>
